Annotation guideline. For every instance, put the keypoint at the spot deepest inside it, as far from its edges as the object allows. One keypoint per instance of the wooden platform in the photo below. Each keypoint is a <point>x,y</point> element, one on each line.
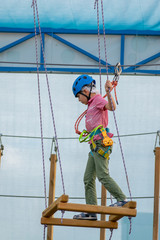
<point>115,213</point>
<point>79,223</point>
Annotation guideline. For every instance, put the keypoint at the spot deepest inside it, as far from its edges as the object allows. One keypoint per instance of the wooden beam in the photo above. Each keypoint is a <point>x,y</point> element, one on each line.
<point>156,194</point>
<point>130,205</point>
<point>52,183</point>
<point>48,212</point>
<point>103,216</point>
<point>79,223</point>
<point>96,209</point>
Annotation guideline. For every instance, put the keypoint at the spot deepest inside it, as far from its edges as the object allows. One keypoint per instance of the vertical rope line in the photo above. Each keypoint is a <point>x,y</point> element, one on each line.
<point>124,164</point>
<point>100,61</point>
<point>99,47</point>
<point>50,99</point>
<point>120,144</point>
<point>115,115</point>
<point>40,113</point>
<point>40,107</point>
<point>104,37</point>
<point>112,104</point>
<point>44,232</point>
<point>111,235</point>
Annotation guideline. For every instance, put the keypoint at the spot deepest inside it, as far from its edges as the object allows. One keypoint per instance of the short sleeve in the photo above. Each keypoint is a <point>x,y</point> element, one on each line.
<point>100,102</point>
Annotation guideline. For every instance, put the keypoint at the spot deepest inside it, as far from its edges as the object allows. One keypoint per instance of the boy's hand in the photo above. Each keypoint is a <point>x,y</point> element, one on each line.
<point>108,86</point>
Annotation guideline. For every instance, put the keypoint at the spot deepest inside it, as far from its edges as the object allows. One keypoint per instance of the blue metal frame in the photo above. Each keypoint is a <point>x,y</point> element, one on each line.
<point>42,59</point>
<point>76,48</point>
<point>13,44</point>
<point>74,31</point>
<point>122,51</point>
<point>53,32</point>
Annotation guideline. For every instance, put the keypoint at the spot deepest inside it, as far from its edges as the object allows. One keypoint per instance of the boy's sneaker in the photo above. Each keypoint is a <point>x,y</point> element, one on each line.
<point>85,216</point>
<point>118,204</point>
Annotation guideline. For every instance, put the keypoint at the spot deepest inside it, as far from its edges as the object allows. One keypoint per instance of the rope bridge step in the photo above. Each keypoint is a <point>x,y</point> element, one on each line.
<point>79,223</point>
<point>62,204</point>
<point>131,205</point>
<point>73,207</point>
<point>48,212</point>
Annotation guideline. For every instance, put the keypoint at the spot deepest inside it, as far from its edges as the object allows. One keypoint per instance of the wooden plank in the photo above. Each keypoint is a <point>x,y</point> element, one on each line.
<point>96,209</point>
<point>156,194</point>
<point>79,223</point>
<point>52,183</point>
<point>103,216</point>
<point>115,218</point>
<point>131,205</point>
<point>48,212</point>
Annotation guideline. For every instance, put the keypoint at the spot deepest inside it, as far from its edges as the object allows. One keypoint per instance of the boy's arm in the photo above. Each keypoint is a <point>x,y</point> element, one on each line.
<point>108,106</point>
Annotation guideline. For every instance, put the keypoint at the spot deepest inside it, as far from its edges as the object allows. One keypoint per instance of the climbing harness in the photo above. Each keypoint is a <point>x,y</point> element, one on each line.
<point>106,140</point>
<point>88,136</point>
<point>100,151</point>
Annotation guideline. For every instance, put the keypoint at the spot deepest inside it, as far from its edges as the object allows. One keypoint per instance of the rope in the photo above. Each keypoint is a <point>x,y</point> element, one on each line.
<point>40,113</point>
<point>99,49</point>
<point>50,99</point>
<point>105,48</point>
<point>104,37</point>
<point>71,197</point>
<point>40,107</point>
<point>66,138</point>
<point>106,66</point>
<point>112,104</point>
<point>111,235</point>
<point>35,9</point>
<point>120,144</point>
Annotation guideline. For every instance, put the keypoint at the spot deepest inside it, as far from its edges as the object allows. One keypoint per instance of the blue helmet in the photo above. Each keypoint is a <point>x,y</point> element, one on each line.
<point>80,82</point>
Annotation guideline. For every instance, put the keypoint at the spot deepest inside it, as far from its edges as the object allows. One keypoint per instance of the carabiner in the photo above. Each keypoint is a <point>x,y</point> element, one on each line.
<point>118,69</point>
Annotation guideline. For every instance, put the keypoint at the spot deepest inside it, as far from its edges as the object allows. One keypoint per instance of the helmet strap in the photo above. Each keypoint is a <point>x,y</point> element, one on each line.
<point>88,97</point>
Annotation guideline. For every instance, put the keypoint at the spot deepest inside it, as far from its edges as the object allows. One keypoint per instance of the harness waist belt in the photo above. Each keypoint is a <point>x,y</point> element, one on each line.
<point>98,131</point>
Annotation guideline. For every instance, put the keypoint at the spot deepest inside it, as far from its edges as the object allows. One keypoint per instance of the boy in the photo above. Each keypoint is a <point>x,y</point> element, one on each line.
<point>84,88</point>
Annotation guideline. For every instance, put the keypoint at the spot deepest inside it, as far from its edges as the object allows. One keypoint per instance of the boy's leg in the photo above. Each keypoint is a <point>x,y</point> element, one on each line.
<point>90,189</point>
<point>103,176</point>
<point>89,181</point>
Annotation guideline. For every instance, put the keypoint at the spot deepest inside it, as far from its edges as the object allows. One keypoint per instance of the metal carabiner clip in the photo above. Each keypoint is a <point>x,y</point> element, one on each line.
<point>118,69</point>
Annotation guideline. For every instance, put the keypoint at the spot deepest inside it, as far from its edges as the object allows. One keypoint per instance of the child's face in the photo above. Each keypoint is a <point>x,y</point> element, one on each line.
<point>82,98</point>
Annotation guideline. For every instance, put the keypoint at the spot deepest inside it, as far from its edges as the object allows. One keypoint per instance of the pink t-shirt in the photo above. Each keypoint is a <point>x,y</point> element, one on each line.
<point>96,114</point>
